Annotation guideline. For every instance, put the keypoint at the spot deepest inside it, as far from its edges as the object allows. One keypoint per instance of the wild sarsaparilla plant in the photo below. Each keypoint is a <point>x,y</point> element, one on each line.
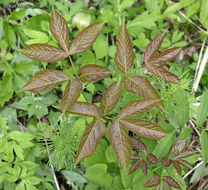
<point>120,126</point>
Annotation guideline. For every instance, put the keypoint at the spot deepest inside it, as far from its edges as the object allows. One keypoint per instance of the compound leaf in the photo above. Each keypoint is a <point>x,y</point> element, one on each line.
<point>124,56</point>
<point>134,167</point>
<point>135,108</point>
<point>171,182</point>
<point>138,145</point>
<point>92,73</point>
<point>90,139</point>
<point>144,128</point>
<point>161,72</point>
<point>167,55</point>
<point>45,80</point>
<point>153,47</point>
<point>59,29</point>
<point>84,109</point>
<point>43,52</point>
<point>111,96</point>
<point>71,94</point>
<point>140,85</point>
<point>120,141</point>
<point>153,181</point>
<point>85,39</point>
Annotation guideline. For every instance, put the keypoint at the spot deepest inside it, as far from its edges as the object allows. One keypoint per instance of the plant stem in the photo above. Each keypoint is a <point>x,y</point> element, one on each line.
<point>106,117</point>
<point>75,71</point>
<point>135,70</point>
<point>49,156</point>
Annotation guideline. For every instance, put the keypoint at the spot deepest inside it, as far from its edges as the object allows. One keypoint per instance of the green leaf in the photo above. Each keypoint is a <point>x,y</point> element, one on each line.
<point>45,80</point>
<point>9,34</point>
<point>38,109</point>
<point>100,47</point>
<point>193,9</point>
<point>204,12</point>
<point>73,177</point>
<point>21,136</point>
<point>102,178</point>
<point>17,15</point>
<point>20,186</point>
<point>34,34</point>
<point>18,150</point>
<point>204,145</point>
<point>202,112</point>
<point>110,154</point>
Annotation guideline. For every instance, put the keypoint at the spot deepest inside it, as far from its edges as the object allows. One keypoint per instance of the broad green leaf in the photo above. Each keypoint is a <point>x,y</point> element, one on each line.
<point>120,141</point>
<point>20,136</point>
<point>136,108</point>
<point>153,47</point>
<point>152,159</point>
<point>98,174</point>
<point>110,154</point>
<point>153,181</point>
<point>85,39</point>
<point>124,56</point>
<point>204,145</point>
<point>17,15</point>
<point>144,128</point>
<point>38,109</point>
<point>90,139</point>
<point>92,73</point>
<point>84,109</point>
<point>171,182</point>
<point>18,150</point>
<point>138,145</point>
<point>165,56</point>
<point>111,97</point>
<point>9,34</point>
<point>100,47</point>
<point>204,13</point>
<point>34,34</point>
<point>193,9</point>
<point>59,29</point>
<point>134,167</point>
<point>161,72</point>
<point>43,52</point>
<point>162,148</point>
<point>73,177</point>
<point>202,112</point>
<point>45,80</point>
<point>71,94</point>
<point>140,85</point>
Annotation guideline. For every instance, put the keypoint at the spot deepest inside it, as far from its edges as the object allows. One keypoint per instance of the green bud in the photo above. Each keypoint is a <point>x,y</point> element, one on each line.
<point>81,20</point>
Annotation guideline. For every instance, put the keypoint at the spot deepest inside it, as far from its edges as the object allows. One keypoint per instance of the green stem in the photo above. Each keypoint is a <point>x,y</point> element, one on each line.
<point>75,71</point>
<point>106,117</point>
<point>135,70</point>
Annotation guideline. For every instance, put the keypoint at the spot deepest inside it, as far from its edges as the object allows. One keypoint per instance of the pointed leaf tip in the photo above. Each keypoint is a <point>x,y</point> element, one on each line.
<point>153,181</point>
<point>59,29</point>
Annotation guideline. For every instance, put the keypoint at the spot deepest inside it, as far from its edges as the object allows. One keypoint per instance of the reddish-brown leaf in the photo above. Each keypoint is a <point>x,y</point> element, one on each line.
<point>43,52</point>
<point>59,29</point>
<point>45,80</point>
<point>144,167</point>
<point>120,141</point>
<point>124,56</point>
<point>85,39</point>
<point>84,109</point>
<point>185,164</point>
<point>71,94</point>
<point>166,162</point>
<point>140,85</point>
<point>152,159</point>
<point>135,157</point>
<point>93,73</point>
<point>138,145</point>
<point>111,96</point>
<point>171,182</point>
<point>177,147</point>
<point>135,108</point>
<point>134,167</point>
<point>144,128</point>
<point>153,47</point>
<point>94,132</point>
<point>185,154</point>
<point>153,181</point>
<point>159,71</point>
<point>177,166</point>
<point>165,56</point>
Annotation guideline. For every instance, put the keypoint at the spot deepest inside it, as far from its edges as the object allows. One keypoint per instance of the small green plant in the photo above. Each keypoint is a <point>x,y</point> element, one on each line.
<point>120,125</point>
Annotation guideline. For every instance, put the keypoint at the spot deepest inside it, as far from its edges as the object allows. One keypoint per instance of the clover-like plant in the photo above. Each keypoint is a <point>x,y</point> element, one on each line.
<point>124,59</point>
